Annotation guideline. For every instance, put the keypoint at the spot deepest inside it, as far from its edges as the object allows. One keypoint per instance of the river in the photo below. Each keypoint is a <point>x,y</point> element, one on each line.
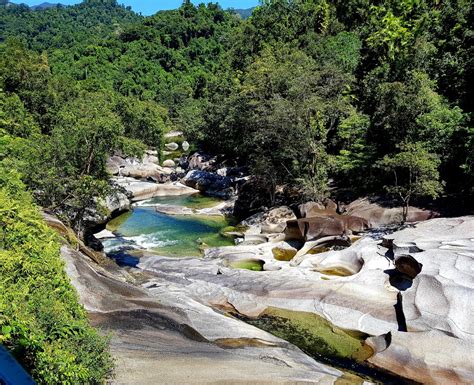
<point>144,228</point>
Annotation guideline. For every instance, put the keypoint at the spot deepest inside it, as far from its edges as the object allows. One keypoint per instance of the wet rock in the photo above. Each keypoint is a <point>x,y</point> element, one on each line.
<point>173,209</point>
<point>183,163</point>
<point>104,234</point>
<point>169,163</point>
<point>248,264</point>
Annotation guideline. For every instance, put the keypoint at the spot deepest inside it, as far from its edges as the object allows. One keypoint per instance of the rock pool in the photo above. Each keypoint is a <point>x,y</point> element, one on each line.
<point>169,235</point>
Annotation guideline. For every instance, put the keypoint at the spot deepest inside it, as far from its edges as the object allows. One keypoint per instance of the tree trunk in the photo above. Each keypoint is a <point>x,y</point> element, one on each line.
<point>89,160</point>
<point>406,203</point>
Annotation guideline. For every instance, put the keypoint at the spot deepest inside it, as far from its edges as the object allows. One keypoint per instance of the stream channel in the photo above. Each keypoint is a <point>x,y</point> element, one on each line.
<point>144,229</point>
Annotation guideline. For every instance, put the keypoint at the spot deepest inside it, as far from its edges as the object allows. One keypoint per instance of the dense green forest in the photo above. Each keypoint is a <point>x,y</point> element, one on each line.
<point>331,96</point>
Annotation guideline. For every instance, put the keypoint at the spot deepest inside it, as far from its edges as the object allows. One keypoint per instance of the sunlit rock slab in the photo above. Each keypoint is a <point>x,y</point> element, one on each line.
<point>175,339</point>
<point>437,305</point>
<point>145,190</point>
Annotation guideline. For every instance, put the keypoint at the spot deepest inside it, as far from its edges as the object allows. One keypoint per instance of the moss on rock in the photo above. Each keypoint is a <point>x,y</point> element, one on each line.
<point>281,254</point>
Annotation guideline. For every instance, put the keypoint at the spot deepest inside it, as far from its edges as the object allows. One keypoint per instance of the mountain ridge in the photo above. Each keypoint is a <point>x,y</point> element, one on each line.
<point>45,5</point>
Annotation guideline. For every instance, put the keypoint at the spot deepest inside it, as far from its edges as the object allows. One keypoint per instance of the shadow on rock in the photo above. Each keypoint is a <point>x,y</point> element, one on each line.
<point>398,280</point>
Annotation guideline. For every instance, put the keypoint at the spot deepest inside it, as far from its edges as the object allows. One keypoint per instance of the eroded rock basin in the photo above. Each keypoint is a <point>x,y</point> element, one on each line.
<point>360,312</point>
<point>343,349</point>
<point>145,228</point>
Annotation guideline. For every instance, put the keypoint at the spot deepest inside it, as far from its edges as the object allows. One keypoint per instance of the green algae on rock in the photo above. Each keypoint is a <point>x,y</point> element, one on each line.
<point>313,334</point>
<point>248,264</point>
<point>115,223</point>
<point>281,254</point>
<point>233,231</point>
<point>193,201</point>
<point>337,271</point>
<point>320,339</point>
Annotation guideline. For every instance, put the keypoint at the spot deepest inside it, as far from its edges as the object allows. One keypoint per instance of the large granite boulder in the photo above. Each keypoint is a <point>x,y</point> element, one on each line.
<point>104,210</point>
<point>272,221</point>
<point>209,183</point>
<point>309,209</point>
<point>140,190</point>
<point>310,229</point>
<point>141,170</point>
<point>169,163</point>
<point>172,146</point>
<point>115,164</point>
<point>150,157</point>
<point>378,215</point>
<point>202,161</point>
<point>146,168</point>
<point>314,209</point>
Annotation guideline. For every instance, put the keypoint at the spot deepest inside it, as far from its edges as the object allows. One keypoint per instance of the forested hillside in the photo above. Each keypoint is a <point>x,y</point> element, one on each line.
<point>334,86</point>
<point>349,97</point>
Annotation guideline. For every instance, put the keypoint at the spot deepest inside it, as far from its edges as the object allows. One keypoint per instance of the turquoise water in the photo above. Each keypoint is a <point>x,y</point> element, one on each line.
<point>176,236</point>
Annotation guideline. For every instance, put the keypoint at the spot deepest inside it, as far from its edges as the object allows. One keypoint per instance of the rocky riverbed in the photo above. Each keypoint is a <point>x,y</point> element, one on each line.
<point>305,295</point>
<point>401,304</point>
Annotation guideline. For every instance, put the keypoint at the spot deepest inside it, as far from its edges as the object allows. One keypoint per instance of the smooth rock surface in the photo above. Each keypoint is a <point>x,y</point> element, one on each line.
<point>172,146</point>
<point>169,163</point>
<point>437,303</point>
<point>271,221</point>
<point>311,209</point>
<point>177,340</point>
<point>378,215</point>
<point>308,229</point>
<point>146,190</point>
<point>422,328</point>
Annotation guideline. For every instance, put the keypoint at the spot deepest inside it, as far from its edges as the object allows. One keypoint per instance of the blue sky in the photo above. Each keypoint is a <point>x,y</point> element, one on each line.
<point>149,7</point>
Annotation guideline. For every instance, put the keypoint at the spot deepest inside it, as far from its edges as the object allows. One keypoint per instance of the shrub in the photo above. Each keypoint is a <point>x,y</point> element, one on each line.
<point>41,320</point>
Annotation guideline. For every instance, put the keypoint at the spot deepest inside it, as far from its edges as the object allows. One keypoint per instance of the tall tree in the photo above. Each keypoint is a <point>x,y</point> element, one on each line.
<point>415,174</point>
